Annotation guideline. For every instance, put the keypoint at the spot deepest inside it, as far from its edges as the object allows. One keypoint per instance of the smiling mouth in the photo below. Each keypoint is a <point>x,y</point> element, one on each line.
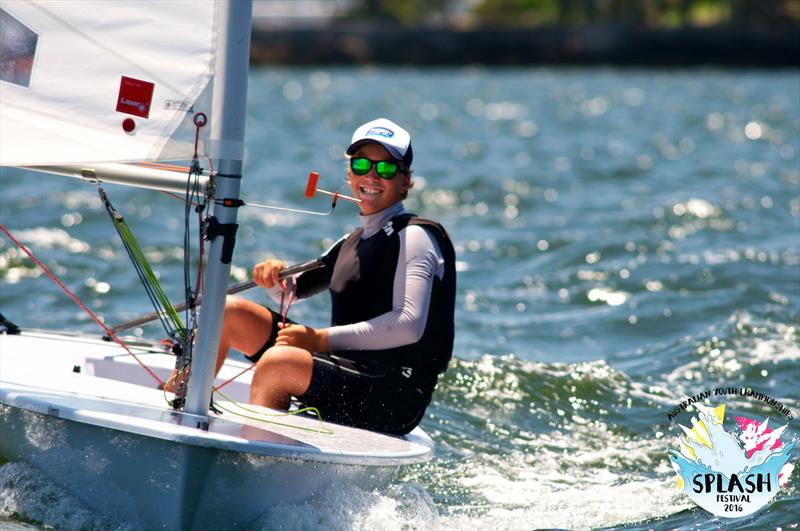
<point>368,191</point>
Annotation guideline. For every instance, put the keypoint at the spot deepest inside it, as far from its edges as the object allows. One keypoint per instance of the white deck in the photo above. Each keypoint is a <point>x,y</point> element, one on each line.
<point>38,374</point>
<point>87,415</point>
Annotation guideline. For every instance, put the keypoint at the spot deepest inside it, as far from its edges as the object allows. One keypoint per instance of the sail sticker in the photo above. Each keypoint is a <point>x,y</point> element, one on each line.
<point>135,96</point>
<point>17,50</point>
<point>178,105</point>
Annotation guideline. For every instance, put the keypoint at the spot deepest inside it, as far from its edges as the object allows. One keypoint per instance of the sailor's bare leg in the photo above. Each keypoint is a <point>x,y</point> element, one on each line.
<point>282,372</point>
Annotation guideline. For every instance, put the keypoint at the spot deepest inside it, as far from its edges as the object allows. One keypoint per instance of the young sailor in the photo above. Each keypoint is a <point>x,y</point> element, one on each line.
<point>392,284</point>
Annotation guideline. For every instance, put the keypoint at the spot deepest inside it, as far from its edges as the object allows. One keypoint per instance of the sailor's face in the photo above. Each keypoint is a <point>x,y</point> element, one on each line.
<point>375,193</point>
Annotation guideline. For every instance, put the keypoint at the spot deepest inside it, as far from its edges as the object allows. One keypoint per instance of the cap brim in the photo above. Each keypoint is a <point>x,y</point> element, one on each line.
<point>391,149</point>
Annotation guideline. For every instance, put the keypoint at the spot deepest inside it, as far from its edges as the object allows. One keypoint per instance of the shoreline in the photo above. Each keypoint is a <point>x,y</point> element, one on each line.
<point>597,45</point>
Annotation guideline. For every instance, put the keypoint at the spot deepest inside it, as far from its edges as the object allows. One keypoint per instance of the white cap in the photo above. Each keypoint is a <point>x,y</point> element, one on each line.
<point>385,132</point>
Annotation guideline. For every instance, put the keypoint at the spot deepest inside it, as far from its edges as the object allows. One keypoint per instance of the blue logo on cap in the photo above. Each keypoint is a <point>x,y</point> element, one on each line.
<point>380,131</point>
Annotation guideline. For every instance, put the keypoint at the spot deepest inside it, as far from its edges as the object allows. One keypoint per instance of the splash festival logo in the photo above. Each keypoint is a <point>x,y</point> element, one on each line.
<point>735,472</point>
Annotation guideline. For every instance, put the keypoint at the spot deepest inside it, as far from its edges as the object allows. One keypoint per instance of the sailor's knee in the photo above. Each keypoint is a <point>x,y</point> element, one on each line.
<point>273,361</point>
<point>234,306</point>
<point>283,364</point>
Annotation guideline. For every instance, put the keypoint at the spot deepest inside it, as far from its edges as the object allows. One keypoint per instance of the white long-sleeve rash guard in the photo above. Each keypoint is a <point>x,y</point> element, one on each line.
<point>419,259</point>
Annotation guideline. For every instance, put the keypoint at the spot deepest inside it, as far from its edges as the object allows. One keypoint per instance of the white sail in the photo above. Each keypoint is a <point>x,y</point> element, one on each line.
<point>75,73</point>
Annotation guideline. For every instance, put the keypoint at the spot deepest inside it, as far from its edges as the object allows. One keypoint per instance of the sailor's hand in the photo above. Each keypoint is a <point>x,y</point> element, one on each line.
<point>305,337</point>
<point>266,273</point>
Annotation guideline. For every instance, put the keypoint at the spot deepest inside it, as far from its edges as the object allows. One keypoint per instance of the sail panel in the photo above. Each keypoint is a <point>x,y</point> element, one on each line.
<point>100,67</point>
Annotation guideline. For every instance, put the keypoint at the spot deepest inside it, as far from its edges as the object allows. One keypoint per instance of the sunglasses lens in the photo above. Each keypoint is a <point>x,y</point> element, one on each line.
<point>360,166</point>
<point>386,170</point>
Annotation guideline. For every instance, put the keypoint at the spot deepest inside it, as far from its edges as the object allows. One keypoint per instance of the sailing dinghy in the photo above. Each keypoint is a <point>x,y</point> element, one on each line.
<point>86,88</point>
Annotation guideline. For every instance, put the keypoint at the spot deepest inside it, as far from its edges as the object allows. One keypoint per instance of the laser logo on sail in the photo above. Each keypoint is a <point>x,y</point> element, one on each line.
<point>135,96</point>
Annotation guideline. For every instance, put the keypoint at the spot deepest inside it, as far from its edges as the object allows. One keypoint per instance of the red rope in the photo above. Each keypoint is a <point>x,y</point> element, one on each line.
<point>77,301</point>
<point>226,382</point>
<point>176,196</point>
<point>284,314</point>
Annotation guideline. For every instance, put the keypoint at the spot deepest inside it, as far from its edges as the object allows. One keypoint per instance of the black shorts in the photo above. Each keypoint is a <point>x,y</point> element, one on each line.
<point>371,395</point>
<point>273,335</point>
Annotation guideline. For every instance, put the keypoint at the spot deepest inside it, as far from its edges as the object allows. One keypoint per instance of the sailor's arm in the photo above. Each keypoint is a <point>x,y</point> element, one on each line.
<point>307,284</point>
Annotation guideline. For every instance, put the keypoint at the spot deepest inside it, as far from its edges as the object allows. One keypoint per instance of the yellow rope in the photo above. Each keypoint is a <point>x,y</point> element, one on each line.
<point>261,416</point>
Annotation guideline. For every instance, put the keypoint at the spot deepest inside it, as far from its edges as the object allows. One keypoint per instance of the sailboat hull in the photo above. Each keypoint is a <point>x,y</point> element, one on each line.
<point>152,483</point>
<point>141,462</point>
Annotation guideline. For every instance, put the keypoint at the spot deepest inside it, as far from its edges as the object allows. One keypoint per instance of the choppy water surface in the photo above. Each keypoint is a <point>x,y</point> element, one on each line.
<point>625,238</point>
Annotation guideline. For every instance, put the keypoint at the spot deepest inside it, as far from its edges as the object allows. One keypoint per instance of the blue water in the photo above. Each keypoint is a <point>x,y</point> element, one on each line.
<point>625,238</point>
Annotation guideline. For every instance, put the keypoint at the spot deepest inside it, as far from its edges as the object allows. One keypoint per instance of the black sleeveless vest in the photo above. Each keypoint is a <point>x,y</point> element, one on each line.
<point>361,288</point>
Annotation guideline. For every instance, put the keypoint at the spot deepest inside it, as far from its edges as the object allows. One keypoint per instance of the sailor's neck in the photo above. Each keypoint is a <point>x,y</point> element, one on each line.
<point>372,223</point>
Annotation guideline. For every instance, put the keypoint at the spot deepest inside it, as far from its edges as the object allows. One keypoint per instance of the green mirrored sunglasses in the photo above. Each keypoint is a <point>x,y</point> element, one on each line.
<point>384,168</point>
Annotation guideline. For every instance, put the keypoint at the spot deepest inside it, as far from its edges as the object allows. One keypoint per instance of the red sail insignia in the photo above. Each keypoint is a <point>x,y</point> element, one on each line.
<point>135,96</point>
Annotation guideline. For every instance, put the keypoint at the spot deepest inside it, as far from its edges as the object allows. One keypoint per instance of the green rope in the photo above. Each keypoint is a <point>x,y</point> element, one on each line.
<point>137,255</point>
<point>169,318</point>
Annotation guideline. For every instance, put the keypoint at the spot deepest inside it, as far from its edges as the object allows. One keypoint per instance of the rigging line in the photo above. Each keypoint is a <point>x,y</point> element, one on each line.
<point>199,120</point>
<point>187,243</point>
<point>146,274</point>
<point>166,314</point>
<point>183,362</point>
<point>160,166</point>
<point>198,284</point>
<point>172,378</point>
<point>263,417</point>
<point>290,286</point>
<point>176,196</point>
<point>77,301</point>
<point>286,209</point>
<point>170,322</point>
<point>200,208</point>
<point>229,380</point>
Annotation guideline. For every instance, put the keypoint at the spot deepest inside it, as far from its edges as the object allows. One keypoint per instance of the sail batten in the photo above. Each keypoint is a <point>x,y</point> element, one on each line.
<point>106,81</point>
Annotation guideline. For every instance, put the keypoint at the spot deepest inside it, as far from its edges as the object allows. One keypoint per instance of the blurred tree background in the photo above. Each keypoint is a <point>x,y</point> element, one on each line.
<point>756,33</point>
<point>654,14</point>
